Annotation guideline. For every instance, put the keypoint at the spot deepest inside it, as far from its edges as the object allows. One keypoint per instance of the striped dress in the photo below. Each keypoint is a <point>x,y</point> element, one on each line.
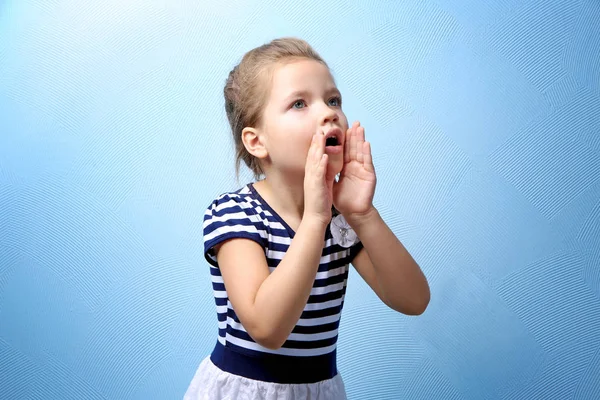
<point>309,354</point>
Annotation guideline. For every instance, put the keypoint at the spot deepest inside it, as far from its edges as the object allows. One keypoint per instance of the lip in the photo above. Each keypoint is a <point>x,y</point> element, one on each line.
<point>334,150</point>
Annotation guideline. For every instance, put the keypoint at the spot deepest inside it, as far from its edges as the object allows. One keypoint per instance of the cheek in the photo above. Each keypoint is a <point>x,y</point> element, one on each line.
<point>343,122</point>
<point>291,148</point>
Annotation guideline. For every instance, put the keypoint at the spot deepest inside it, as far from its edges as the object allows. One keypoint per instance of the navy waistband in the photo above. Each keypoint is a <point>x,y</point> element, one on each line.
<point>274,367</point>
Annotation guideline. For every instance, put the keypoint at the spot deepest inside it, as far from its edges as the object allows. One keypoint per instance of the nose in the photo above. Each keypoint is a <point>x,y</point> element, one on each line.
<point>328,115</point>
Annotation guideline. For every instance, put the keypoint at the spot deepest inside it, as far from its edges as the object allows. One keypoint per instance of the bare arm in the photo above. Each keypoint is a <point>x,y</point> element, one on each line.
<point>388,267</point>
<point>270,304</point>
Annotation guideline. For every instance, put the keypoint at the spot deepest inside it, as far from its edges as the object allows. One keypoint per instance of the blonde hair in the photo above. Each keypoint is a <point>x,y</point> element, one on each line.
<point>247,88</point>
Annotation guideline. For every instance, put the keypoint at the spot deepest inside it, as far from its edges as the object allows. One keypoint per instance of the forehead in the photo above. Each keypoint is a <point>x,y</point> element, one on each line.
<point>301,75</point>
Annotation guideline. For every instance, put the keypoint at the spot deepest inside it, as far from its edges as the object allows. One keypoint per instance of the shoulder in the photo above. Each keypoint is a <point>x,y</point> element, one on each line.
<point>232,208</point>
<point>233,215</point>
<point>228,204</point>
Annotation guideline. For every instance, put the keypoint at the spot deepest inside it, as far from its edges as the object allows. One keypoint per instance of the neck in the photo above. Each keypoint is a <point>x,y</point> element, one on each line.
<point>284,193</point>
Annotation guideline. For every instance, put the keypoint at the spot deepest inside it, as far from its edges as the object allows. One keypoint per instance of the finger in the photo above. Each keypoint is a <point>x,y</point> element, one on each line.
<point>361,133</point>
<point>311,151</point>
<point>347,145</point>
<point>352,152</point>
<point>353,149</point>
<point>322,167</point>
<point>360,140</point>
<point>368,157</point>
<point>319,148</point>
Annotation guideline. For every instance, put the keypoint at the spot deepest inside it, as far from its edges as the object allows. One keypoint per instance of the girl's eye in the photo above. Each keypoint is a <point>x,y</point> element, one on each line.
<point>298,103</point>
<point>337,100</point>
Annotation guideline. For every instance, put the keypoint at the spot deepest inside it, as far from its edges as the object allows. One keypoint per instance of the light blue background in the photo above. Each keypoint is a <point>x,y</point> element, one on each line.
<point>484,119</point>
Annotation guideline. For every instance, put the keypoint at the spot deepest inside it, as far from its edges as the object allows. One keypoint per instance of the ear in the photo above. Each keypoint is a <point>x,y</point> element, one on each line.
<point>253,142</point>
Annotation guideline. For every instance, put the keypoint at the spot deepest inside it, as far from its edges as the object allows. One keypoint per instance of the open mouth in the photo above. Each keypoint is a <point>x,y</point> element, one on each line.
<point>331,141</point>
<point>333,138</point>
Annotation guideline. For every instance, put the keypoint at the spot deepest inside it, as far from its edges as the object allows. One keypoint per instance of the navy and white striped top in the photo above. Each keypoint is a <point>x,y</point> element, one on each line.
<point>309,354</point>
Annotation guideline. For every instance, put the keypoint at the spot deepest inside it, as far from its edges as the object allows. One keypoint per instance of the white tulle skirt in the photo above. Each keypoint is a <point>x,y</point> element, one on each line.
<point>211,383</point>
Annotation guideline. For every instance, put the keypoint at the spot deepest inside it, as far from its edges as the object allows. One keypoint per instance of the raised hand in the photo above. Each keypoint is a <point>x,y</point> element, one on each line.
<point>353,193</point>
<point>318,191</point>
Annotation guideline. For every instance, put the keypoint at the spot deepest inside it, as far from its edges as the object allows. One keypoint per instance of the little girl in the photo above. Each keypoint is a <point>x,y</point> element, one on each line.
<point>280,248</point>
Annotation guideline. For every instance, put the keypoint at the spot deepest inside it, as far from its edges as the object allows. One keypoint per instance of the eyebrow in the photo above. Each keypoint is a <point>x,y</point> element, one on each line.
<point>305,93</point>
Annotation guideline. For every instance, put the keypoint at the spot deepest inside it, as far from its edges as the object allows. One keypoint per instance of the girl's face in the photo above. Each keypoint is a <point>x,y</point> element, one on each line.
<point>303,101</point>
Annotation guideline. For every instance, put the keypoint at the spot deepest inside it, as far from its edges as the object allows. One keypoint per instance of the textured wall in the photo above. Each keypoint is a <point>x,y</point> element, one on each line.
<point>484,119</point>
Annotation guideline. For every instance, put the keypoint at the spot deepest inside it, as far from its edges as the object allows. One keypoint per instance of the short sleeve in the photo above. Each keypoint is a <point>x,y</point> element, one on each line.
<point>228,217</point>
